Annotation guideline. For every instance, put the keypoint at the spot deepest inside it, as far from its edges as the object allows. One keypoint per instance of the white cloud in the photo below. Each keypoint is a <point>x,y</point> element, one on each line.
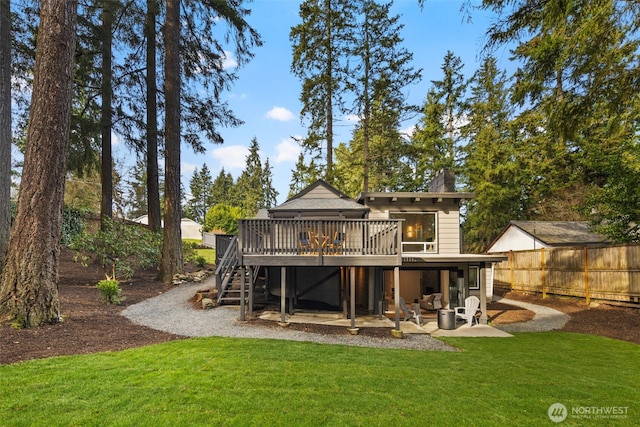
<point>280,114</point>
<point>231,157</point>
<point>353,118</point>
<point>408,131</point>
<point>287,150</point>
<point>229,61</point>
<point>188,168</point>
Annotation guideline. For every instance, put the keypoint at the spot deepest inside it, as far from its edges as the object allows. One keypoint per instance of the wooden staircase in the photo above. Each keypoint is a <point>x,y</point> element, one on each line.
<point>229,277</point>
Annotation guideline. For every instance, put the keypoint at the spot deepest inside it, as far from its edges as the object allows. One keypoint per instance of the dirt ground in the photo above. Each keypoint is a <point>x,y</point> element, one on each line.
<point>91,326</point>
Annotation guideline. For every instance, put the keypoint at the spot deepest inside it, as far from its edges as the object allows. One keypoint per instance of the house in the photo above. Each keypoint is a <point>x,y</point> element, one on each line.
<point>531,235</point>
<point>188,227</point>
<point>324,250</point>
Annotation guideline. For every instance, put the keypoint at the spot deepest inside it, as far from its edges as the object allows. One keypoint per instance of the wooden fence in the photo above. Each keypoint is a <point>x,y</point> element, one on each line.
<point>606,273</point>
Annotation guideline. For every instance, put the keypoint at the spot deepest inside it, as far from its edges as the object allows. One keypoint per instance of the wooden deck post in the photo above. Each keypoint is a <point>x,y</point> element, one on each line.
<point>396,294</point>
<point>483,293</point>
<point>586,278</point>
<point>243,287</point>
<point>283,294</point>
<point>352,284</point>
<point>251,289</point>
<point>543,273</point>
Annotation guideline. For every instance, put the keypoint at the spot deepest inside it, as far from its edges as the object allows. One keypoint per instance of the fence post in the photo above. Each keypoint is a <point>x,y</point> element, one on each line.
<point>511,270</point>
<point>586,278</point>
<point>543,273</point>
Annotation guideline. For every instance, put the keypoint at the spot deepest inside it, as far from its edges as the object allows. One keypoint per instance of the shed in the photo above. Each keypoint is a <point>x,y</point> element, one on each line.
<point>528,235</point>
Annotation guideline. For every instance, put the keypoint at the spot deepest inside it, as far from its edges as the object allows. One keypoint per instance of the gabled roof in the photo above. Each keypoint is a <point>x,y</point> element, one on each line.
<point>319,196</point>
<point>557,233</point>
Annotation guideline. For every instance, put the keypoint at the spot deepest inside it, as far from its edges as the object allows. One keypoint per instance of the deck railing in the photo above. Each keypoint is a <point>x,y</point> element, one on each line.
<point>273,237</point>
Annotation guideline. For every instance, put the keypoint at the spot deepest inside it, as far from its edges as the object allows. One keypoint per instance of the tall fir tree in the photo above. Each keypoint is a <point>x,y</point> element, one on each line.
<point>320,44</point>
<point>490,169</point>
<point>382,70</point>
<point>201,198</point>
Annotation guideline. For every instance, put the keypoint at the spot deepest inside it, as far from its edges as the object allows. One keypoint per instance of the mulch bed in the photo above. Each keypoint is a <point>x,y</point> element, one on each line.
<point>91,326</point>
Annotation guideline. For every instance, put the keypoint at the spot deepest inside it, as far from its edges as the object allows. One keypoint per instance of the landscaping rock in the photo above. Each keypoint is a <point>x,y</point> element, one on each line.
<point>208,303</point>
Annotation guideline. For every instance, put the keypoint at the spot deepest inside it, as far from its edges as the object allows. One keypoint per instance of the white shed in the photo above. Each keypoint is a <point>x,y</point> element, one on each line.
<point>528,235</point>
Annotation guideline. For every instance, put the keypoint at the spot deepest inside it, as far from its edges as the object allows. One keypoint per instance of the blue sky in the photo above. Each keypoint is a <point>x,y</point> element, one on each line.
<point>265,95</point>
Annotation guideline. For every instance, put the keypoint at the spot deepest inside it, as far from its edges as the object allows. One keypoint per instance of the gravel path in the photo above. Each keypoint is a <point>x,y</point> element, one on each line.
<point>546,318</point>
<point>172,312</point>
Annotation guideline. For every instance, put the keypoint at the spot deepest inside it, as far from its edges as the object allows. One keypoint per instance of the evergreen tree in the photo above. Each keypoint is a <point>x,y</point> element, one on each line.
<point>29,280</point>
<point>490,167</point>
<point>172,240</point>
<point>437,139</point>
<point>270,193</point>
<point>201,200</point>
<point>249,187</point>
<point>382,70</point>
<point>320,46</point>
<point>5,127</point>
<point>222,188</point>
<point>576,81</point>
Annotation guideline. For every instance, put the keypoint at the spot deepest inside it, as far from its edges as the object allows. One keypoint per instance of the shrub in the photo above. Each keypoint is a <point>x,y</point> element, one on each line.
<point>110,290</point>
<point>120,247</point>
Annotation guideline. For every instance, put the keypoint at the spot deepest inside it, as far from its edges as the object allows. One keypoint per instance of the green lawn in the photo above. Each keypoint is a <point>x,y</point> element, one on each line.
<point>224,381</point>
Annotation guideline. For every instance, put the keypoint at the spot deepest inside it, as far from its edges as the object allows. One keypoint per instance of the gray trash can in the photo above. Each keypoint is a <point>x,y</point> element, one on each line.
<point>446,319</point>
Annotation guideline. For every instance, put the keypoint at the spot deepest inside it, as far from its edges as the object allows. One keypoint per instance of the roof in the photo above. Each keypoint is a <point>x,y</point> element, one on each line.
<point>319,205</point>
<point>558,233</point>
<point>319,197</point>
<point>415,195</point>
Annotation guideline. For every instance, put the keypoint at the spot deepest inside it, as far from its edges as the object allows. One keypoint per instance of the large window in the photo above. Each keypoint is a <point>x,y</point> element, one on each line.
<point>419,231</point>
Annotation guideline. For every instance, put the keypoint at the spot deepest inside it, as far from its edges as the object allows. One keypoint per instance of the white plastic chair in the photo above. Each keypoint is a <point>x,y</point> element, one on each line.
<point>468,312</point>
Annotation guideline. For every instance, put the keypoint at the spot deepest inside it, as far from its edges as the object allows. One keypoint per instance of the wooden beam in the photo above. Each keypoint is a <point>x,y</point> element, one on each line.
<point>352,283</point>
<point>283,294</point>
<point>482,271</point>
<point>243,272</point>
<point>396,294</point>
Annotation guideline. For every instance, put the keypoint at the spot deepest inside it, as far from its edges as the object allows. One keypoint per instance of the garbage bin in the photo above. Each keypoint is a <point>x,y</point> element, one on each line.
<point>446,319</point>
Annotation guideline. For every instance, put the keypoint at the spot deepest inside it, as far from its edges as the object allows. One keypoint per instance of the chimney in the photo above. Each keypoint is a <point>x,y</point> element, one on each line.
<point>443,182</point>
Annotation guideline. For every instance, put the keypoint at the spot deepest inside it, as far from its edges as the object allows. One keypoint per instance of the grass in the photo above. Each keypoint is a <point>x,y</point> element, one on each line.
<point>226,381</point>
<point>208,254</point>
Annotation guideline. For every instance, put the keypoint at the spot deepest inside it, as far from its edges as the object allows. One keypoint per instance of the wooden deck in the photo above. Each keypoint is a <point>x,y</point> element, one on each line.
<point>292,242</point>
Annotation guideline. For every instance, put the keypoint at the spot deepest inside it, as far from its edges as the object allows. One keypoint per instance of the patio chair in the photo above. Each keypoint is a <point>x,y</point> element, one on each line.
<point>336,243</point>
<point>303,241</point>
<point>410,314</point>
<point>469,311</point>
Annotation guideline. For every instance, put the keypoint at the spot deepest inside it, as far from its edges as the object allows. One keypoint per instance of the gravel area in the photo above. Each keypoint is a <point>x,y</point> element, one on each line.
<point>546,318</point>
<point>173,312</point>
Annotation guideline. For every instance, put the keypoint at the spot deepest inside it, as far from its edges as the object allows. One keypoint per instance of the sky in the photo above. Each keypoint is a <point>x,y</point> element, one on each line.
<point>266,94</point>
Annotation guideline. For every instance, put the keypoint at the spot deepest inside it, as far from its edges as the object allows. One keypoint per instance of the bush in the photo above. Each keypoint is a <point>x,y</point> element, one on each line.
<point>110,290</point>
<point>121,247</point>
<point>72,224</point>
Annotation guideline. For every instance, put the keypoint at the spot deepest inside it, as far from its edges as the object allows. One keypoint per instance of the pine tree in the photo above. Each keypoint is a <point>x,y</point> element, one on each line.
<point>490,168</point>
<point>319,45</point>
<point>5,127</point>
<point>437,139</point>
<point>381,72</point>
<point>29,281</point>
<point>201,199</point>
<point>222,187</point>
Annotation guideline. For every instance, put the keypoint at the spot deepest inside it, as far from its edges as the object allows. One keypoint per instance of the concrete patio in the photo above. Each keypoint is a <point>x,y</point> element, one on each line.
<point>430,326</point>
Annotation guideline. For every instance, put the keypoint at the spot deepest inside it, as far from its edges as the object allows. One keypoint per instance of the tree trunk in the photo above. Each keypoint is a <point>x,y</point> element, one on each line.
<point>172,239</point>
<point>153,186</point>
<point>29,283</point>
<point>106,205</point>
<point>5,127</point>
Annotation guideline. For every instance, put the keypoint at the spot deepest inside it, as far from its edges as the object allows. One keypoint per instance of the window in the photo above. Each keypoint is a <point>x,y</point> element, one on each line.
<point>474,277</point>
<point>419,231</point>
